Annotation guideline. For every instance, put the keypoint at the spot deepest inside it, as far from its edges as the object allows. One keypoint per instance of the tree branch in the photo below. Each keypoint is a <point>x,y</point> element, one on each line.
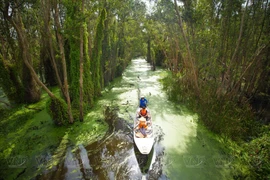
<point>188,48</point>
<point>240,33</point>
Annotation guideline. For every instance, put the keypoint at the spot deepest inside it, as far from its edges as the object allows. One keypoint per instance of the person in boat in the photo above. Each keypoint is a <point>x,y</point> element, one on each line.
<point>142,126</point>
<point>143,113</point>
<point>143,101</point>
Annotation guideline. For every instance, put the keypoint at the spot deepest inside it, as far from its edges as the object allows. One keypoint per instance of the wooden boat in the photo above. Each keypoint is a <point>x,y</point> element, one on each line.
<point>144,144</point>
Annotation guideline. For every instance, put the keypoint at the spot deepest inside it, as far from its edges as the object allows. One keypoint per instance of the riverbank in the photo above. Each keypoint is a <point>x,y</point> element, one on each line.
<point>243,140</point>
<point>29,138</point>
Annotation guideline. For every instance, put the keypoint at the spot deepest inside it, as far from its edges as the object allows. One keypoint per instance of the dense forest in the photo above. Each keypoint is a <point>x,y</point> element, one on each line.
<point>217,53</point>
<point>78,46</point>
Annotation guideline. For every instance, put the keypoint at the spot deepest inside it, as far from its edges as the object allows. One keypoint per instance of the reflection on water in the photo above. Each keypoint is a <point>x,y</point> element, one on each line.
<point>118,158</point>
<point>113,157</point>
<point>72,166</point>
<point>86,167</point>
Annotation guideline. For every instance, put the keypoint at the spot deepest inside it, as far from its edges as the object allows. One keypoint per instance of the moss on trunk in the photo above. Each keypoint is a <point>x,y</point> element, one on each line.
<point>57,109</point>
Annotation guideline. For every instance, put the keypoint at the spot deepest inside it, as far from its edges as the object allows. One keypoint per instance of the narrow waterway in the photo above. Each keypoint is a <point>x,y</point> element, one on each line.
<point>190,152</point>
<point>183,150</point>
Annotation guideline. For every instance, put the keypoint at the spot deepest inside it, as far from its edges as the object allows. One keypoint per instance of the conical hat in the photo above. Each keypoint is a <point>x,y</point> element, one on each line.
<point>142,119</point>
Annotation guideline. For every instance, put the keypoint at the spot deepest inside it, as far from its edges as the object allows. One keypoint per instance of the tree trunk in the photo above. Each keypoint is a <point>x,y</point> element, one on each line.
<point>63,59</point>
<point>21,36</point>
<point>81,64</point>
<point>105,56</point>
<point>48,38</point>
<point>195,78</point>
<point>148,58</point>
<point>32,91</point>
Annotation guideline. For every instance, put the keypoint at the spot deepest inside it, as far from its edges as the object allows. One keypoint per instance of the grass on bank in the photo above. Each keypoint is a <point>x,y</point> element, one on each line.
<point>28,132</point>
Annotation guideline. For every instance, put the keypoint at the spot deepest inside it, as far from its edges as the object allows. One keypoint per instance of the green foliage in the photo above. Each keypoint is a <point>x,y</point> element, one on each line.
<point>223,116</point>
<point>28,131</point>
<point>57,109</point>
<point>160,57</point>
<point>32,91</point>
<point>72,26</point>
<point>106,51</point>
<point>231,61</point>
<point>96,55</point>
<point>74,72</point>
<point>257,154</point>
<point>119,67</point>
<point>12,120</point>
<point>9,82</point>
<point>232,120</point>
<point>88,87</point>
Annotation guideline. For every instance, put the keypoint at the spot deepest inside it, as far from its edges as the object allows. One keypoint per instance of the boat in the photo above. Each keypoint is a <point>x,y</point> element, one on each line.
<point>144,144</point>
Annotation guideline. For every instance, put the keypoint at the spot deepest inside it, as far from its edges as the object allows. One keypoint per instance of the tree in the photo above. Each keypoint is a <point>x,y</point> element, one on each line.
<point>48,52</point>
<point>32,92</point>
<point>189,56</point>
<point>63,59</point>
<point>81,63</point>
<point>96,54</point>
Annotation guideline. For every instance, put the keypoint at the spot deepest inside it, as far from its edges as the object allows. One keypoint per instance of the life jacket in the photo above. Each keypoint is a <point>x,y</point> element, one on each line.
<point>142,125</point>
<point>143,112</point>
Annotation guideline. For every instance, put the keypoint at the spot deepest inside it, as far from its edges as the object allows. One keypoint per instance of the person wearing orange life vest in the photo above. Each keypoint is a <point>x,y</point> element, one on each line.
<point>142,126</point>
<point>143,112</point>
